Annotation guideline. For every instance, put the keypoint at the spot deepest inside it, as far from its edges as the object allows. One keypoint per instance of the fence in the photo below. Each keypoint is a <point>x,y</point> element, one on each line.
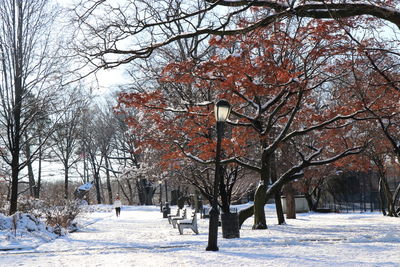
<point>365,203</point>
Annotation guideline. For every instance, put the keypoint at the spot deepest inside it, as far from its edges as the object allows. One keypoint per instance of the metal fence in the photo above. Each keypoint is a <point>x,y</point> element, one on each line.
<point>366,203</point>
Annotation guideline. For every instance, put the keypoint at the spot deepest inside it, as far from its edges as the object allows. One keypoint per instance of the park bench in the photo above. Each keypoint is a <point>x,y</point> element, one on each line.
<point>191,224</point>
<point>175,219</point>
<point>170,216</point>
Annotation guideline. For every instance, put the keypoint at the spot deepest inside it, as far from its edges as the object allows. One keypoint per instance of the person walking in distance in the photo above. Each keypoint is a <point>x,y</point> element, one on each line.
<point>117,205</point>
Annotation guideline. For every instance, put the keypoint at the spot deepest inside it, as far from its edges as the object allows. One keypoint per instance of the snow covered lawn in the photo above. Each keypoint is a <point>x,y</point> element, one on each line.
<point>141,237</point>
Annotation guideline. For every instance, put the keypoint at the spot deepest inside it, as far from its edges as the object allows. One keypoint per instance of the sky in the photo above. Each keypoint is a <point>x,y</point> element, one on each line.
<point>104,82</point>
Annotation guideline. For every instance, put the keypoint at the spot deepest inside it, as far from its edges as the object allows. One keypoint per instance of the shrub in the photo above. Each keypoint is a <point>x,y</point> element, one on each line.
<point>57,216</point>
<point>30,205</point>
<point>62,216</point>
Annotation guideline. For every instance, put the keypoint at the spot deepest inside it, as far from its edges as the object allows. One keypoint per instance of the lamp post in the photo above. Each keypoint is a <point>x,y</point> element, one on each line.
<point>221,110</point>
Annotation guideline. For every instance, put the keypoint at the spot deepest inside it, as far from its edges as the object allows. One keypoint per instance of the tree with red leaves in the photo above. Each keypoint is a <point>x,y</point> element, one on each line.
<point>280,83</point>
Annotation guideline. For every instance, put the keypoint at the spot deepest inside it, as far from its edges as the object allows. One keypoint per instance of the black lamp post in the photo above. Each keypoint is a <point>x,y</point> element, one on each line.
<point>221,109</point>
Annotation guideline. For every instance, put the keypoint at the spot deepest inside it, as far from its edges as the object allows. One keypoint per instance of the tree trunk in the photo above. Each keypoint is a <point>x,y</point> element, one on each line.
<point>259,203</point>
<point>66,178</point>
<point>382,197</point>
<point>277,195</point>
<point>140,190</point>
<point>109,190</point>
<point>31,176</point>
<point>14,184</point>
<point>131,192</point>
<point>389,197</point>
<point>260,196</point>
<point>39,178</point>
<point>310,202</point>
<point>395,201</point>
<point>279,209</point>
<point>18,90</point>
<point>317,199</point>
<point>225,207</point>
<point>149,193</point>
<point>290,201</point>
<point>97,184</point>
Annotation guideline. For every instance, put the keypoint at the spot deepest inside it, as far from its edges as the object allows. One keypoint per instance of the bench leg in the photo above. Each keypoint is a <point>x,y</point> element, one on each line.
<point>195,230</point>
<point>192,227</point>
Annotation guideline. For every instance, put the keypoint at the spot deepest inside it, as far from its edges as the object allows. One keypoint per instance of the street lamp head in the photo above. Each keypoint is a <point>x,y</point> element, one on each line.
<point>159,182</point>
<point>221,110</point>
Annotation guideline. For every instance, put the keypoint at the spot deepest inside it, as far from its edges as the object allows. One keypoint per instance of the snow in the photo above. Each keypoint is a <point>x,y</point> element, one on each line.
<point>141,237</point>
<point>23,231</point>
<point>85,187</point>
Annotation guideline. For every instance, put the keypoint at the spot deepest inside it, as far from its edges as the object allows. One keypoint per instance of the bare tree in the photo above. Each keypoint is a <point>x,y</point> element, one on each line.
<point>66,134</point>
<point>97,140</point>
<point>106,28</point>
<point>29,76</point>
<point>106,125</point>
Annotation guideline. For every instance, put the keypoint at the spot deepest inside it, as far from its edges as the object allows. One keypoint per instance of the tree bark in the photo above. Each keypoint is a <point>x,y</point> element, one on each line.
<point>277,195</point>
<point>310,202</point>
<point>290,201</point>
<point>109,189</point>
<point>31,176</point>
<point>66,178</point>
<point>389,197</point>
<point>260,196</point>
<point>131,192</point>
<point>18,90</point>
<point>279,209</point>
<point>39,178</point>
<point>97,184</point>
<point>223,193</point>
<point>259,203</point>
<point>382,197</point>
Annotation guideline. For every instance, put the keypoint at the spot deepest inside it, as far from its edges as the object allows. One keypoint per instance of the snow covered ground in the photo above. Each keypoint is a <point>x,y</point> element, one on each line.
<point>141,237</point>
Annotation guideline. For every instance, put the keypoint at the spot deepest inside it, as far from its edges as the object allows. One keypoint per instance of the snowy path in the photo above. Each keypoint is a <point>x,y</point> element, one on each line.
<point>141,237</point>
<point>126,241</point>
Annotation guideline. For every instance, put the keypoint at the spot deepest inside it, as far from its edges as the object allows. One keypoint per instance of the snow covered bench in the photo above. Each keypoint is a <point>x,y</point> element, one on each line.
<point>174,220</point>
<point>191,224</point>
<point>170,216</point>
<point>82,190</point>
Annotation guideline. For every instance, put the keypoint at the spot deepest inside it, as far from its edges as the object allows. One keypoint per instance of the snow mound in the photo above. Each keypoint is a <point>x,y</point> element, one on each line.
<point>23,230</point>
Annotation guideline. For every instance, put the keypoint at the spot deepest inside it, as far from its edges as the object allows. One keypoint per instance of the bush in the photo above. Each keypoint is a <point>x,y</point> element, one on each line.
<point>30,205</point>
<point>62,216</point>
<point>58,216</point>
